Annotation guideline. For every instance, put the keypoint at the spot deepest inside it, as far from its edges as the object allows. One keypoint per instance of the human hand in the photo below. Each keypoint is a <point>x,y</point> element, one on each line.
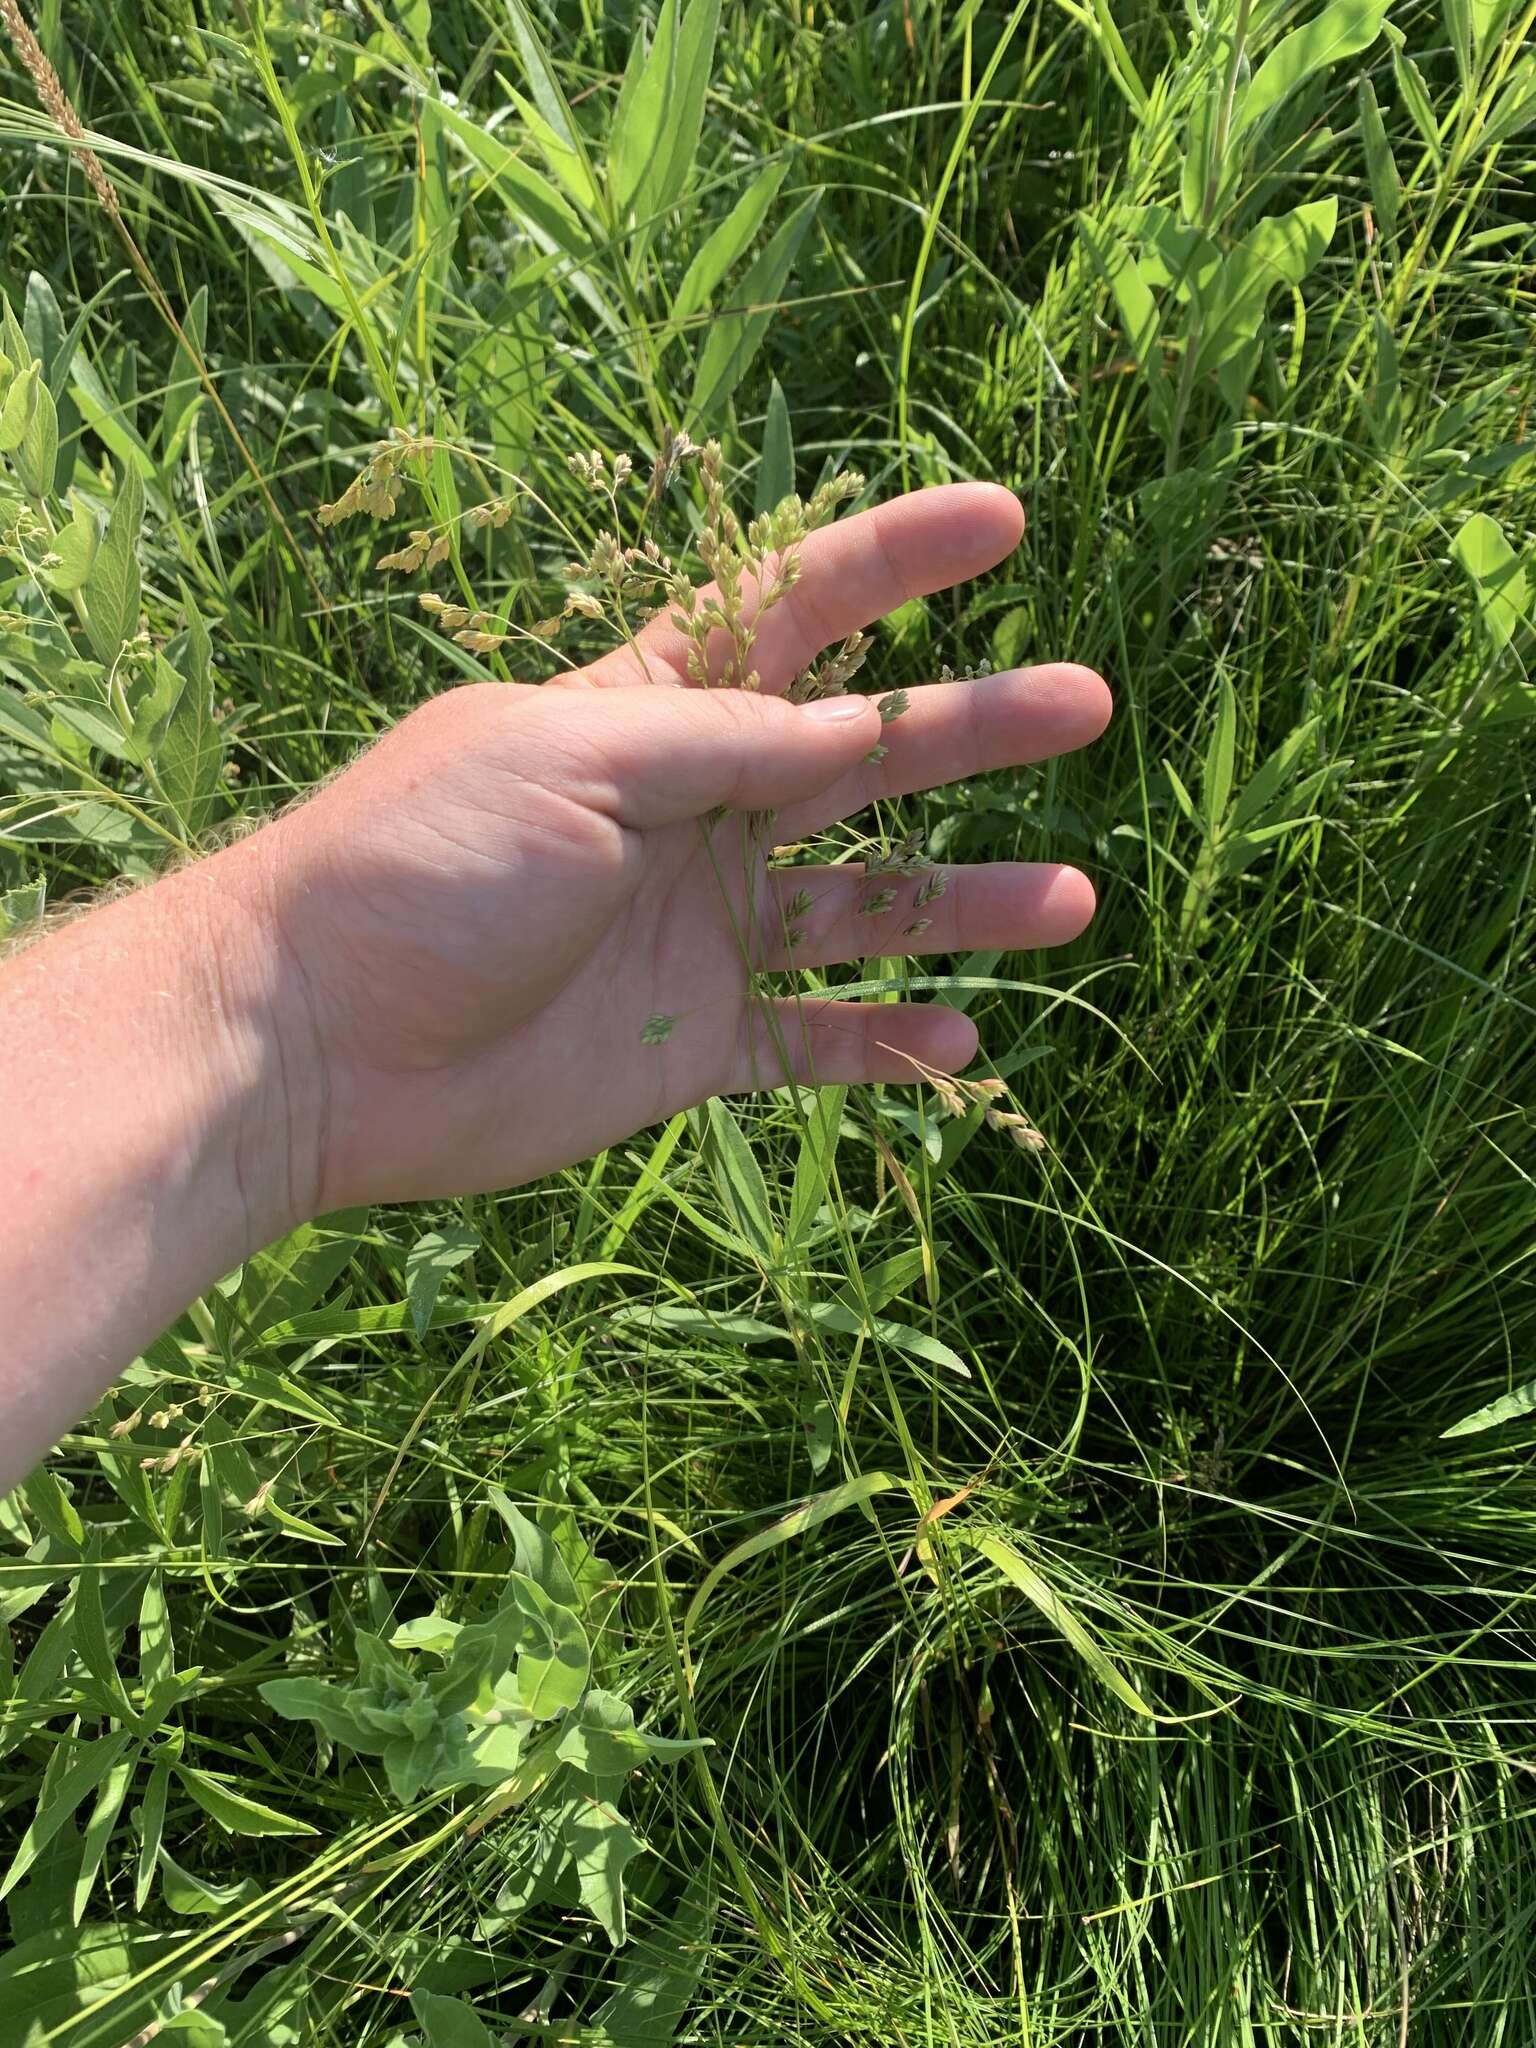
<point>485,910</point>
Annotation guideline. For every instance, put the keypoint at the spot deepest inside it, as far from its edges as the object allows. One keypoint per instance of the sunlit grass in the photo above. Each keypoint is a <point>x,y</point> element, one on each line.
<point>1277,1243</point>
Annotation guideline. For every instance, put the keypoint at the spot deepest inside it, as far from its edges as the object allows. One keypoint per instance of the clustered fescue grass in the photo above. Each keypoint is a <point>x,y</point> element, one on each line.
<point>1103,1568</point>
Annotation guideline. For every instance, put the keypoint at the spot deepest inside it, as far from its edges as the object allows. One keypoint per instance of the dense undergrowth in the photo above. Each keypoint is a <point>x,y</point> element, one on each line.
<point>1098,1635</point>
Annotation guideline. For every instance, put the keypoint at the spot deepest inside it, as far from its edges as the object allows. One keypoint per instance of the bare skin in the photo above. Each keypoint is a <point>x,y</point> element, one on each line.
<point>434,976</point>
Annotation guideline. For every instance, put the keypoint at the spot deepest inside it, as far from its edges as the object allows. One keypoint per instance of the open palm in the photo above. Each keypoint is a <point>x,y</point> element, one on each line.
<point>489,907</point>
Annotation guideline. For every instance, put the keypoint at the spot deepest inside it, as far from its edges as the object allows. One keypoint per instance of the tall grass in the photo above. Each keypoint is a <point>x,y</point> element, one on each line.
<point>1154,1662</point>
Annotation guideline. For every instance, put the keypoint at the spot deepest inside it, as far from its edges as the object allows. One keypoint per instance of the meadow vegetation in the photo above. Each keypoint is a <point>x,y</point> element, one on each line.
<point>822,1572</point>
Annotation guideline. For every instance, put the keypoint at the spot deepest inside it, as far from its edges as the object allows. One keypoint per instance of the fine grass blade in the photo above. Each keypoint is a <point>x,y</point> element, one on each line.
<point>1041,1595</point>
<point>809,1515</point>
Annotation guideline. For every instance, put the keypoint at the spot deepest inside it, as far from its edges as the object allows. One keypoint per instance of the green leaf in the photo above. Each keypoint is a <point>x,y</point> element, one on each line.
<point>151,1826</point>
<point>1383,398</point>
<point>428,1263</point>
<point>533,201</point>
<point>1410,83</point>
<point>37,456</point>
<point>601,1844</point>
<point>311,1699</point>
<point>184,387</point>
<point>536,1551</point>
<point>735,337</point>
<point>1488,17</point>
<point>427,1632</point>
<point>1050,1604</point>
<point>1219,757</point>
<point>657,1980</point>
<point>540,73</point>
<point>673,165</point>
<point>1135,308</point>
<point>19,405</point>
<point>42,326</point>
<point>75,546</point>
<point>91,1639</point>
<point>189,754</point>
<point>819,1421</point>
<point>1342,29</point>
<point>539,1862</point>
<point>881,1282</point>
<point>831,1315</point>
<point>193,1898</point>
<point>553,1659</point>
<point>647,1183</point>
<point>210,1502</point>
<point>234,1811</point>
<point>776,466</point>
<point>1515,108</point>
<point>21,723</point>
<point>18,351</point>
<point>112,588</point>
<point>22,906</point>
<point>604,1741</point>
<point>480,1657</point>
<point>62,1972</point>
<point>1380,164</point>
<point>1181,795</point>
<point>97,727</point>
<point>283,1281</point>
<point>1508,1408</point>
<point>1270,781</point>
<point>738,1179</point>
<point>568,164</point>
<point>808,1515</point>
<point>82,1767</point>
<point>1281,249</point>
<point>152,703</point>
<point>1498,577</point>
<point>726,1324</point>
<point>49,1505</point>
<point>98,1832</point>
<point>449,2022</point>
<point>815,1162</point>
<point>640,120</point>
<point>728,243</point>
<point>1174,253</point>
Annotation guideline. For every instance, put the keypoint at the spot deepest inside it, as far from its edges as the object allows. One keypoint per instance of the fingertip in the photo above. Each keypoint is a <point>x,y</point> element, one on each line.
<point>943,534</point>
<point>1067,907</point>
<point>832,1041</point>
<point>991,515</point>
<point>908,1040</point>
<point>1005,511</point>
<point>1094,699</point>
<point>1057,706</point>
<point>956,1039</point>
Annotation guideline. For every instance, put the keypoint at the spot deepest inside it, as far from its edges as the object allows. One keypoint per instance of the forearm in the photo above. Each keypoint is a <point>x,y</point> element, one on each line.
<point>163,1118</point>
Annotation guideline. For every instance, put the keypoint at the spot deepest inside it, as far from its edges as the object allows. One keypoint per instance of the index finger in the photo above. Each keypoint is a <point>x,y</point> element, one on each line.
<point>850,575</point>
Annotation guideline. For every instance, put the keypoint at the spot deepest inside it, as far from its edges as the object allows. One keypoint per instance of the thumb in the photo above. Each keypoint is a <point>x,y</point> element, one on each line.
<point>654,756</point>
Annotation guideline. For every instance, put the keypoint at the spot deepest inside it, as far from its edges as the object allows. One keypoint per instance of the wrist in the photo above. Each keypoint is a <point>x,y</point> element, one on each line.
<point>255,1069</point>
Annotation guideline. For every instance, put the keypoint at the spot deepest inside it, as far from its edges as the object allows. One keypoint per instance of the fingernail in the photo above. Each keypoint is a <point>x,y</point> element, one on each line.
<point>835,710</point>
